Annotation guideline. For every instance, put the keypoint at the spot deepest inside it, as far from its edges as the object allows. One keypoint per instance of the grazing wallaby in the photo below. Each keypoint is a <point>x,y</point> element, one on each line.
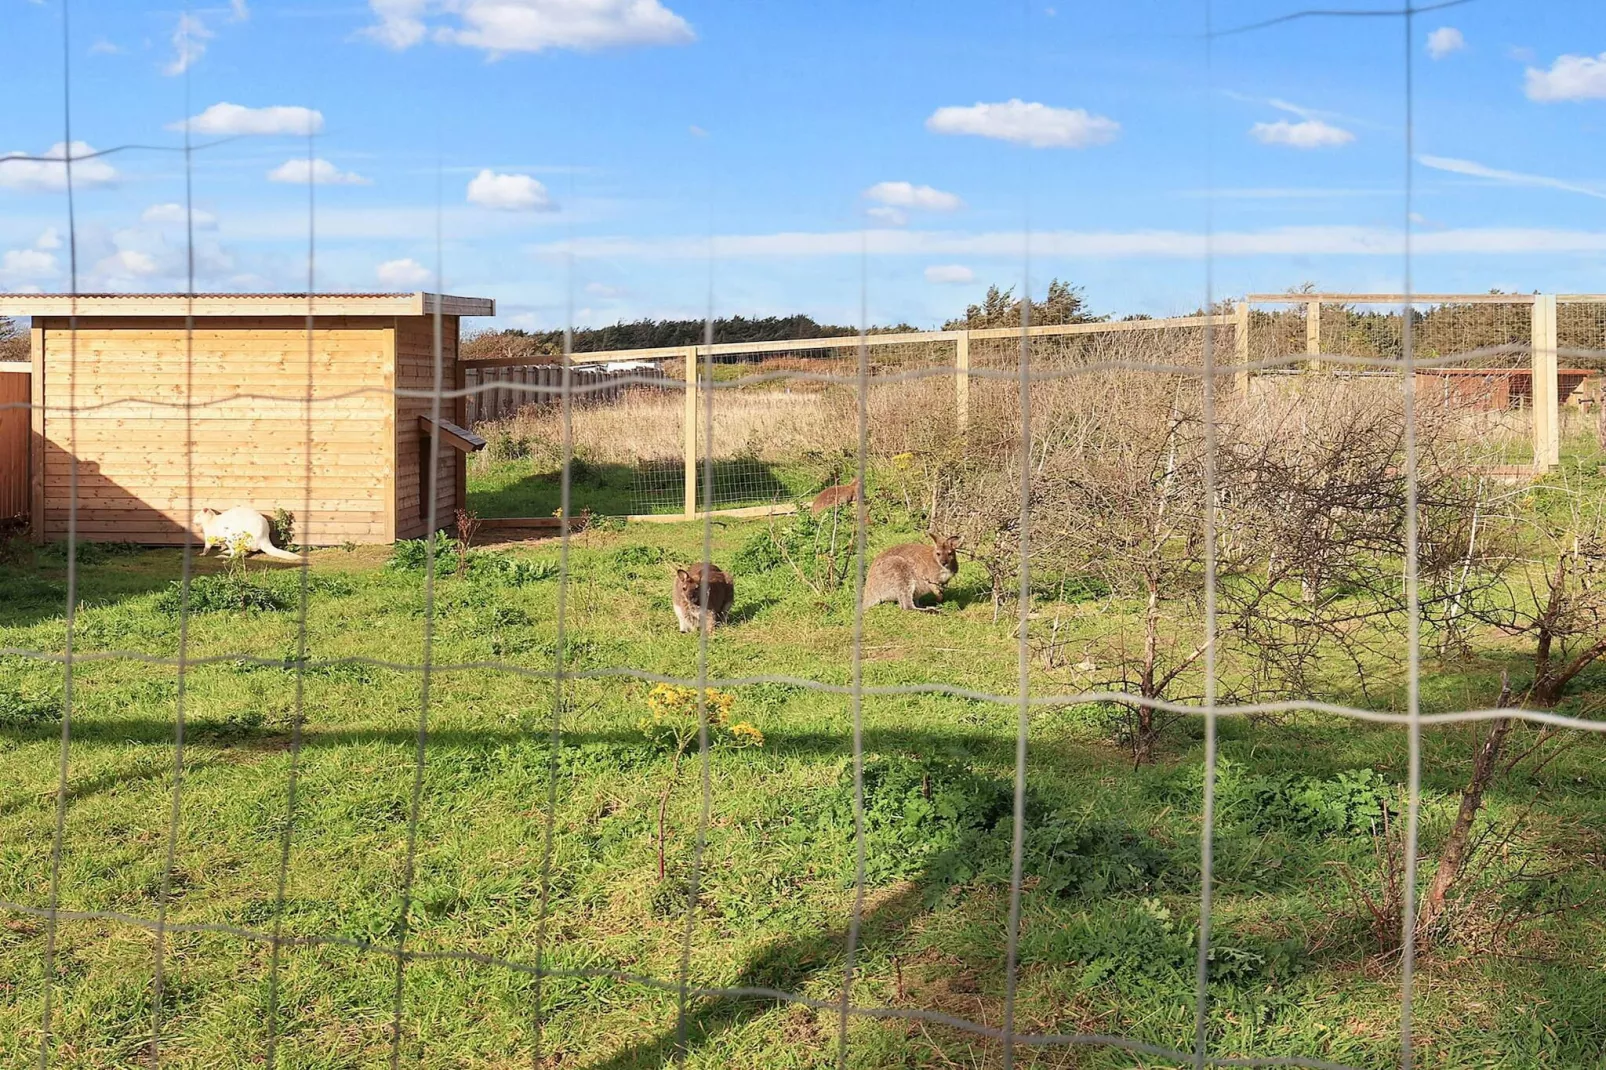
<point>831,497</point>
<point>223,529</point>
<point>910,571</point>
<point>688,598</point>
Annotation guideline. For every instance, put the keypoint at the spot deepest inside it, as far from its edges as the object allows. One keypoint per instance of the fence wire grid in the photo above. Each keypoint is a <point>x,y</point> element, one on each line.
<point>1399,341</point>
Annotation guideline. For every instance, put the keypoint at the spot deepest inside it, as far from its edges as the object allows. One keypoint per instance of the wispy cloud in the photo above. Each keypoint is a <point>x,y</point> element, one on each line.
<point>190,36</point>
<point>1473,169</point>
<point>404,274</point>
<point>909,195</point>
<point>1340,240</point>
<point>949,274</point>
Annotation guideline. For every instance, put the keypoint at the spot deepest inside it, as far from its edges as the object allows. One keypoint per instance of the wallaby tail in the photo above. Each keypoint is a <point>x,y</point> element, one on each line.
<point>277,554</point>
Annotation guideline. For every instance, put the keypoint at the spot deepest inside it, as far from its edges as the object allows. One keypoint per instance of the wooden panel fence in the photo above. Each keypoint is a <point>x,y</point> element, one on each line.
<point>512,387</point>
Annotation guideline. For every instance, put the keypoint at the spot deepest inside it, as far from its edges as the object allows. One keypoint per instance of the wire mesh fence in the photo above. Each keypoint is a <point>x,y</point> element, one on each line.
<point>1089,471</point>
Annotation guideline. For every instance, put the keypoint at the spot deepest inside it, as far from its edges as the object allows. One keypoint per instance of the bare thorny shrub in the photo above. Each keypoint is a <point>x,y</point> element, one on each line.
<point>1307,497</point>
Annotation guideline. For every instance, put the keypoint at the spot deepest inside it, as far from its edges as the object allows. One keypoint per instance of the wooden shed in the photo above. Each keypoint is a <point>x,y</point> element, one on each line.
<point>265,400</point>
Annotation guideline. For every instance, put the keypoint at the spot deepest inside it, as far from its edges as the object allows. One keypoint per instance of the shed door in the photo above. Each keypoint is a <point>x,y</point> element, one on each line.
<point>15,380</point>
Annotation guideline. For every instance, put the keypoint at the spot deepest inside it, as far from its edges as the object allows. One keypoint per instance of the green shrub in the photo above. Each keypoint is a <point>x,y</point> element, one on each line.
<point>412,555</point>
<point>282,528</point>
<point>510,570</point>
<point>222,592</point>
<point>817,547</point>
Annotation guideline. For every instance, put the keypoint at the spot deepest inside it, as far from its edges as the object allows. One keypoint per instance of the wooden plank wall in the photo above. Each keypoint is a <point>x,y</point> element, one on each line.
<point>415,370</point>
<point>14,434</point>
<point>593,386</point>
<point>129,379</point>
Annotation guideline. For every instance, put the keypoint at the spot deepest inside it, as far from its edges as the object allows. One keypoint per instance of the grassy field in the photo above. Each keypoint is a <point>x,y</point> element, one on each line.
<point>1112,871</point>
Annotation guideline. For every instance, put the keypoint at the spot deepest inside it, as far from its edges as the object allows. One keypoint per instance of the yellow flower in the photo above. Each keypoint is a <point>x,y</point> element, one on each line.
<point>746,735</point>
<point>903,460</point>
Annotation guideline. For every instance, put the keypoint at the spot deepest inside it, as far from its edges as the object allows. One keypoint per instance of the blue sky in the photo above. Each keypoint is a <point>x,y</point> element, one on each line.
<point>888,158</point>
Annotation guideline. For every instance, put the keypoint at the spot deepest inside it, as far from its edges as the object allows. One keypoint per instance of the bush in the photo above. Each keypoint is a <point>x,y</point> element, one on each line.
<point>412,555</point>
<point>282,528</point>
<point>219,593</point>
<point>818,548</point>
<point>511,571</point>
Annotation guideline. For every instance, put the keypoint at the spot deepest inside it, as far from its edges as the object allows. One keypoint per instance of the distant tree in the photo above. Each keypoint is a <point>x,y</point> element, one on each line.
<point>1063,303</point>
<point>656,334</point>
<point>13,340</point>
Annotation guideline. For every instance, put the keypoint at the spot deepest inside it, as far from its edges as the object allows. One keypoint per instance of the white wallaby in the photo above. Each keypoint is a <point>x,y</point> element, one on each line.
<point>239,530</point>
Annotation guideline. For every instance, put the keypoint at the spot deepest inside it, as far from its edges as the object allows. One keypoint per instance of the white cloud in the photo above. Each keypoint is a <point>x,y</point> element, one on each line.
<point>225,119</point>
<point>238,11</point>
<point>1569,78</point>
<point>189,44</point>
<point>509,193</point>
<point>1338,240</point>
<point>908,195</point>
<point>500,26</point>
<point>49,238</point>
<point>1445,40</point>
<point>405,274</point>
<point>319,172</point>
<point>174,214</point>
<point>949,273</point>
<point>1309,134</point>
<point>1509,178</point>
<point>103,47</point>
<point>127,264</point>
<point>1037,125</point>
<point>20,264</point>
<point>892,217</point>
<point>602,289</point>
<point>49,172</point>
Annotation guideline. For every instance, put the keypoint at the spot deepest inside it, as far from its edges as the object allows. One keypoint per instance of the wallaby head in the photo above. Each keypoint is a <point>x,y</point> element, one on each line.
<point>947,551</point>
<point>204,517</point>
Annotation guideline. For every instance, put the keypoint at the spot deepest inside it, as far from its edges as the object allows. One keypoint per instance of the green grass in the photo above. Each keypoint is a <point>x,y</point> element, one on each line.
<point>1108,913</point>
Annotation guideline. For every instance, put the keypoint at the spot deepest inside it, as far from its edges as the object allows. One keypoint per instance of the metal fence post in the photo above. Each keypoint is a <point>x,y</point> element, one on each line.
<point>962,380</point>
<point>1546,400</point>
<point>691,431</point>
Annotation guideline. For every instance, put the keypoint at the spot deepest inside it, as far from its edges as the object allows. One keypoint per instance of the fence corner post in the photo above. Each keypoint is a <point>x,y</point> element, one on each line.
<point>962,381</point>
<point>691,431</point>
<point>1545,384</point>
<point>1240,345</point>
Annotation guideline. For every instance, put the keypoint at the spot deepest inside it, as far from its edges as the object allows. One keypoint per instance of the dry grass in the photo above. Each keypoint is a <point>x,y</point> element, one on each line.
<point>648,426</point>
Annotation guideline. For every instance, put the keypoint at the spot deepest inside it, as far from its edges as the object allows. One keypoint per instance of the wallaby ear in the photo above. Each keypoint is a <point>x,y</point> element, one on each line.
<point>682,574</point>
<point>934,537</point>
<point>956,541</point>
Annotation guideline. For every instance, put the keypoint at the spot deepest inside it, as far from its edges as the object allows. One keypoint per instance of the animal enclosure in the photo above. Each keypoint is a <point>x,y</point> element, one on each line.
<point>146,408</point>
<point>770,423</point>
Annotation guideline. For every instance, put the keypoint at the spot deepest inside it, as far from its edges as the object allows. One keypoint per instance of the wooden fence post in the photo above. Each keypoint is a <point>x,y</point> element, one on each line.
<point>1313,333</point>
<point>1546,402</point>
<point>691,431</point>
<point>962,381</point>
<point>1240,345</point>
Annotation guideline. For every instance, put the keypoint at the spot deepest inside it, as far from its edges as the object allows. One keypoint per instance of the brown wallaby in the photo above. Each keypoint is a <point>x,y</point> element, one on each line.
<point>912,570</point>
<point>688,598</point>
<point>831,497</point>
